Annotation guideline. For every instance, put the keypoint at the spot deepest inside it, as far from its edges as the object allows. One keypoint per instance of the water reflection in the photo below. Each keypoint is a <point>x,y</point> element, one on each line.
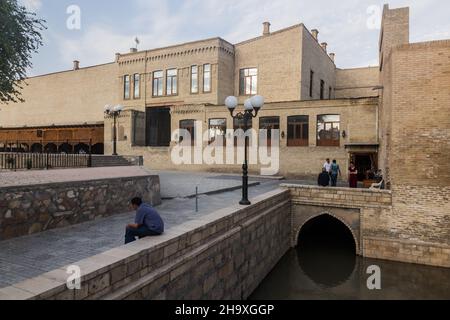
<point>325,266</point>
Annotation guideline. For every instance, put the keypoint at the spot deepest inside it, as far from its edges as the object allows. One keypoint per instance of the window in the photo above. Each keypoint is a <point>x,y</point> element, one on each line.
<point>188,125</point>
<point>322,89</point>
<point>137,86</point>
<point>158,131</point>
<point>207,78</point>
<point>238,124</point>
<point>158,77</point>
<point>194,79</point>
<point>126,87</point>
<point>311,83</point>
<point>298,131</point>
<point>248,81</point>
<point>171,84</point>
<point>269,124</point>
<point>217,127</point>
<point>330,90</point>
<point>328,131</point>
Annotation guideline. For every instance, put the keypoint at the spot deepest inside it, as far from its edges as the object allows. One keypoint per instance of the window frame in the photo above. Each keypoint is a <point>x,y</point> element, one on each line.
<point>328,142</point>
<point>162,84</point>
<point>210,78</point>
<point>295,141</point>
<point>243,81</point>
<point>311,83</point>
<point>138,96</point>
<point>322,89</point>
<point>126,93</point>
<point>192,79</point>
<point>269,132</point>
<point>173,80</point>
<point>210,139</point>
<point>192,131</point>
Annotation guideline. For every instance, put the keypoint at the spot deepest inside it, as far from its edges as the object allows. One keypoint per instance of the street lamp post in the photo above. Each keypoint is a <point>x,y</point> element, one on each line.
<point>114,111</point>
<point>251,108</point>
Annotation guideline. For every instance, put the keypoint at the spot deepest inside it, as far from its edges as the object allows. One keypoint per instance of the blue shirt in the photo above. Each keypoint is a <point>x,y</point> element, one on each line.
<point>146,215</point>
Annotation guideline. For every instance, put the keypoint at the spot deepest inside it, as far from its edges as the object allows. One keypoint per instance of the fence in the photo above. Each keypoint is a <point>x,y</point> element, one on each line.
<point>39,161</point>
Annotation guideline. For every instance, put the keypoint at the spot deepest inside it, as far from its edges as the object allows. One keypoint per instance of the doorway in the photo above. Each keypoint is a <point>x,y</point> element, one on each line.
<point>366,165</point>
<point>158,127</point>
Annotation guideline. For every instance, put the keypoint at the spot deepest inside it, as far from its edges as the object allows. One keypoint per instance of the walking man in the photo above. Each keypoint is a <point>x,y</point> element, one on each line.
<point>335,172</point>
<point>147,222</point>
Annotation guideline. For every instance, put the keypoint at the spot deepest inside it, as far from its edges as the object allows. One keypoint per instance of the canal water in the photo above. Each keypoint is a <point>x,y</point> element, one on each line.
<point>325,266</point>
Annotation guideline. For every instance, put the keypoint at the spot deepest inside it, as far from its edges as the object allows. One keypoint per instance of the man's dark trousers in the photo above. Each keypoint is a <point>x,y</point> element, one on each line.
<point>141,232</point>
<point>334,178</point>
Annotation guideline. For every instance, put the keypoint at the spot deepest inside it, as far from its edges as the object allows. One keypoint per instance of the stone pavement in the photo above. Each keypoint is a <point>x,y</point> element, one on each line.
<point>176,184</point>
<point>27,257</point>
<point>30,256</point>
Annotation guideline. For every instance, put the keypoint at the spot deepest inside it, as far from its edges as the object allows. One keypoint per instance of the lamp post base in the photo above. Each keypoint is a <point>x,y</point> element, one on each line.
<point>245,203</point>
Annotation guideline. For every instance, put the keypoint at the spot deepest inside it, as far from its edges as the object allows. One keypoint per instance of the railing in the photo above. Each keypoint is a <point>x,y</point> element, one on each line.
<point>40,161</point>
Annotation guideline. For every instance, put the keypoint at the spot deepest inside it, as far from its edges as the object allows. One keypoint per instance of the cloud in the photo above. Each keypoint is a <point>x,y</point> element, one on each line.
<point>343,26</point>
<point>32,5</point>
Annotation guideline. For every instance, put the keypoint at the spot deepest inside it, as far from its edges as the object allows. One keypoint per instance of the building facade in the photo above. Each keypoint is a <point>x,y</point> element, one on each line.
<point>394,117</point>
<point>321,111</point>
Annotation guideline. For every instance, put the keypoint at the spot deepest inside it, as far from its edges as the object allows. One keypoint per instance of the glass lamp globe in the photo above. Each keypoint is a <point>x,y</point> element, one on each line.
<point>257,102</point>
<point>118,108</point>
<point>231,102</point>
<point>248,105</point>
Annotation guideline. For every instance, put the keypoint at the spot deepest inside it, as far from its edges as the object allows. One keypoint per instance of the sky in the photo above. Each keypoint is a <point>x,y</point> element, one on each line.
<point>92,31</point>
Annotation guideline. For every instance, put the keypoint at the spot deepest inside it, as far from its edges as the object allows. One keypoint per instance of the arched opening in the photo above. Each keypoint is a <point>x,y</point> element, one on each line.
<point>327,251</point>
<point>51,148</point>
<point>65,148</point>
<point>36,148</point>
<point>81,148</point>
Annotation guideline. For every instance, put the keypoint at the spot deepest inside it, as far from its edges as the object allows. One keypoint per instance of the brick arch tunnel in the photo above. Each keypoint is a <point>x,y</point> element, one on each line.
<point>326,230</point>
<point>327,250</point>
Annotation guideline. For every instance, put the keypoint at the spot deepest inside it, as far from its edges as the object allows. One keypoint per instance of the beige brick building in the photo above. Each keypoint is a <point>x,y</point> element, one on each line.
<point>395,117</point>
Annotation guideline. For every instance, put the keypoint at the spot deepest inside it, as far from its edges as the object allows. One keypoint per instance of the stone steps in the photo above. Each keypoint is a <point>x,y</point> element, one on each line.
<point>109,161</point>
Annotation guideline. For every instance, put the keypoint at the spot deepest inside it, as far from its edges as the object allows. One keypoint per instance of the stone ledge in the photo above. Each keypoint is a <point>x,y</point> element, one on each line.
<point>407,242</point>
<point>354,205</point>
<point>336,190</point>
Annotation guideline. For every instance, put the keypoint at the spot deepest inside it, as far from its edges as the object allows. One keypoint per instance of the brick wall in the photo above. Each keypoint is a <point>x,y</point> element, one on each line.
<point>53,99</point>
<point>359,82</point>
<point>358,119</point>
<point>315,58</point>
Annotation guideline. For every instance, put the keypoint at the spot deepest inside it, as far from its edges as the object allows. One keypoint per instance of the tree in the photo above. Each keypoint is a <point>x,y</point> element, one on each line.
<point>20,37</point>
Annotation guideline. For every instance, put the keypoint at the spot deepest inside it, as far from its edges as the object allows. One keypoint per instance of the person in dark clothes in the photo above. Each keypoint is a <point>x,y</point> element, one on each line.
<point>147,222</point>
<point>324,178</point>
<point>335,172</point>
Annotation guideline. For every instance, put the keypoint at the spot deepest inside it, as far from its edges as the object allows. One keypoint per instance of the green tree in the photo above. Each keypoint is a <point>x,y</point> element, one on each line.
<point>20,37</point>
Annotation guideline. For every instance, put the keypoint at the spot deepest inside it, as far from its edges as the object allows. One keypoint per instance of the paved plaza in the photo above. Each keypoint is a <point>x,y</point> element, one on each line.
<point>29,256</point>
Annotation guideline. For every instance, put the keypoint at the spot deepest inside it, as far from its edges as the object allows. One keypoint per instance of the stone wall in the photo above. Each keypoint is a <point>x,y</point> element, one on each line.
<point>382,222</point>
<point>349,206</point>
<point>222,256</point>
<point>31,209</point>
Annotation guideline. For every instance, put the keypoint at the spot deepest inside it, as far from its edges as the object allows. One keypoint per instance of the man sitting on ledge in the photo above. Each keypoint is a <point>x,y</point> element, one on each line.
<point>147,223</point>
